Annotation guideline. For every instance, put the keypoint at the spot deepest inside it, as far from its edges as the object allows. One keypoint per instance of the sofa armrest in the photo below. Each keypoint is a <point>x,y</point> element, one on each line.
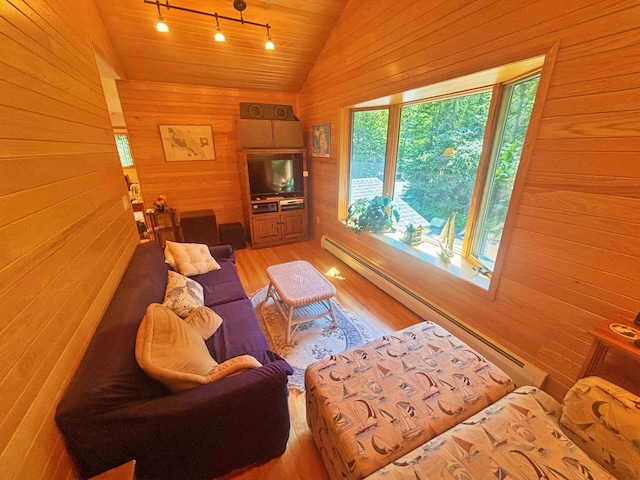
<point>221,426</point>
<point>603,419</point>
<point>218,397</point>
<point>223,252</point>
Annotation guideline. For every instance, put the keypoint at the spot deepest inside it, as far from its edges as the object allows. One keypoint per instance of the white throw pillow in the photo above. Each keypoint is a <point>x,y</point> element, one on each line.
<point>168,258</point>
<point>182,294</point>
<point>173,352</point>
<point>190,258</point>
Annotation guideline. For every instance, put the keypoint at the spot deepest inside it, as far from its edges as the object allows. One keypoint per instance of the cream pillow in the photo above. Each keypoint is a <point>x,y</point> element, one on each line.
<point>189,258</point>
<point>168,258</point>
<point>173,352</point>
<point>182,294</point>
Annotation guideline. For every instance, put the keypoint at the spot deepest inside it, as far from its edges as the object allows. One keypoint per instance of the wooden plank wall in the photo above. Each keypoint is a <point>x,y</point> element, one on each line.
<point>190,185</point>
<point>574,254</point>
<point>65,237</point>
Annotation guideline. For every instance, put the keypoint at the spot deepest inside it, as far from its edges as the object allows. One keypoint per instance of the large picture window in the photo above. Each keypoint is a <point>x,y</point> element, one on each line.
<point>452,161</point>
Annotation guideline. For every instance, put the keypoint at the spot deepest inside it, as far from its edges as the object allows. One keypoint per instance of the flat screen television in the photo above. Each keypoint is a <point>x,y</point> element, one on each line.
<point>275,175</point>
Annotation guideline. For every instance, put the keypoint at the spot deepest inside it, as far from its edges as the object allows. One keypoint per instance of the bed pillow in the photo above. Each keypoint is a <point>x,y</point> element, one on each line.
<point>182,294</point>
<point>173,352</point>
<point>190,258</point>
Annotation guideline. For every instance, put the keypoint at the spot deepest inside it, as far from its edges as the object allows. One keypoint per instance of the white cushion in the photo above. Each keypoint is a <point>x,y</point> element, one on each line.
<point>168,258</point>
<point>182,294</point>
<point>189,258</point>
<point>173,351</point>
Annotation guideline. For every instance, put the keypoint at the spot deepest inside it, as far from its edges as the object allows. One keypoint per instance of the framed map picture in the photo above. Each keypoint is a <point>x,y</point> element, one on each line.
<point>187,142</point>
<point>321,135</point>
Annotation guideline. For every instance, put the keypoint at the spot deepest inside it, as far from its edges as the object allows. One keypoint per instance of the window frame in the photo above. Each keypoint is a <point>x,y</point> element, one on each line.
<point>386,159</point>
<point>501,76</point>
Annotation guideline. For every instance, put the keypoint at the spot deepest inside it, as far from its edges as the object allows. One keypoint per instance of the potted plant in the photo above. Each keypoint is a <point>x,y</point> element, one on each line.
<point>160,203</point>
<point>372,215</point>
<point>412,234</point>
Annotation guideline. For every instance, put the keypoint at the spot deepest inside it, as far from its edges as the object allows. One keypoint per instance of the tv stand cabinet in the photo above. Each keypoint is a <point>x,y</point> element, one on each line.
<point>275,220</point>
<point>277,228</point>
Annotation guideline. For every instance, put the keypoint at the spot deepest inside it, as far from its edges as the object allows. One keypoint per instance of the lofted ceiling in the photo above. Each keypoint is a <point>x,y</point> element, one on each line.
<point>187,54</point>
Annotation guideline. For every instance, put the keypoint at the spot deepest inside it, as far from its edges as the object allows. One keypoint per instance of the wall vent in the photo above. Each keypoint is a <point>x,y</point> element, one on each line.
<point>522,372</point>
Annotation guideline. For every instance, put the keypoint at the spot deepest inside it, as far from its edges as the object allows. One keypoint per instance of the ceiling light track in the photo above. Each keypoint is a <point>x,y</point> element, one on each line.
<point>239,5</point>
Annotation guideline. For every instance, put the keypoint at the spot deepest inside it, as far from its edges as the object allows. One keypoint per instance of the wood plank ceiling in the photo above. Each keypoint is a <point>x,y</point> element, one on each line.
<point>187,54</point>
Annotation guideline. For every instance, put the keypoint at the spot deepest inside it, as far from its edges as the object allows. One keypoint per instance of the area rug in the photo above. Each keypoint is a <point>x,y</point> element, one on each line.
<point>312,340</point>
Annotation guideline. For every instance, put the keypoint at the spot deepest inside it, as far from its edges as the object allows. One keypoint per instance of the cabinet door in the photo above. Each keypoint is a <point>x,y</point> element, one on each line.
<point>266,229</point>
<point>294,225</point>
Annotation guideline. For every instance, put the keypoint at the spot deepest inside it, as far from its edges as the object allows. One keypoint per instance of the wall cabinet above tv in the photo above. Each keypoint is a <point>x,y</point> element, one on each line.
<point>270,134</point>
<point>275,195</point>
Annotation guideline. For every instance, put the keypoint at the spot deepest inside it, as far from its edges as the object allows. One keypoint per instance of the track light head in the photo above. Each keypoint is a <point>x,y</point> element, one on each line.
<point>268,45</point>
<point>161,26</point>
<point>219,36</point>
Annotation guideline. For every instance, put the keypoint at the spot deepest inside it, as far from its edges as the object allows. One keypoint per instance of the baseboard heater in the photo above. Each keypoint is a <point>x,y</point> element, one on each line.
<point>522,373</point>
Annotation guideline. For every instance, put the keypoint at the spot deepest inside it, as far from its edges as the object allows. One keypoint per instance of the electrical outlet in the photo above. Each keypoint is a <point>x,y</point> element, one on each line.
<point>125,202</point>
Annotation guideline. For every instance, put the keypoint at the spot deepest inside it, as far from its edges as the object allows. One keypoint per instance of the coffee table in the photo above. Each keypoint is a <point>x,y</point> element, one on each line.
<point>301,294</point>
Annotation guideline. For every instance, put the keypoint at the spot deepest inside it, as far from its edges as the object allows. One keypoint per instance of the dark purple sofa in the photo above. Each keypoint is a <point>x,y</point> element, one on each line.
<point>112,412</point>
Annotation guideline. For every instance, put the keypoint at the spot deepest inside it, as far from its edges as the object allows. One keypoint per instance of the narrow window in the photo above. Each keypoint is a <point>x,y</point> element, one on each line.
<point>516,107</point>
<point>122,144</point>
<point>368,152</point>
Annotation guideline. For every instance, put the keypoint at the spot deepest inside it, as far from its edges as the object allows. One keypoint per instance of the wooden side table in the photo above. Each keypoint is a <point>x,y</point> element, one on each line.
<point>620,338</point>
<point>165,225</point>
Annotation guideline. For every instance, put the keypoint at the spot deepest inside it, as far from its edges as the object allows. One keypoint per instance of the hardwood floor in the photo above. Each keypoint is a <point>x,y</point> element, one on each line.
<point>357,295</point>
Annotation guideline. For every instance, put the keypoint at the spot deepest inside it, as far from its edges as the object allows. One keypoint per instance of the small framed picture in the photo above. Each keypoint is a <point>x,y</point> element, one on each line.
<point>321,136</point>
<point>187,142</point>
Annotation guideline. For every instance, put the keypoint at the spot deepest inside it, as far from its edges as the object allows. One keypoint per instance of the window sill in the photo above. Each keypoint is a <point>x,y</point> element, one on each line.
<point>429,253</point>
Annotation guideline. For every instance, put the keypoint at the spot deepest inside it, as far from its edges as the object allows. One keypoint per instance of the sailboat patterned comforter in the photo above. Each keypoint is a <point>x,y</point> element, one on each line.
<point>603,419</point>
<point>372,404</point>
<point>517,438</point>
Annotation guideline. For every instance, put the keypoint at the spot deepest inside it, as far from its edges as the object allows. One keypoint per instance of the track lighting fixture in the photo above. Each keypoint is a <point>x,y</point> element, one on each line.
<point>239,5</point>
